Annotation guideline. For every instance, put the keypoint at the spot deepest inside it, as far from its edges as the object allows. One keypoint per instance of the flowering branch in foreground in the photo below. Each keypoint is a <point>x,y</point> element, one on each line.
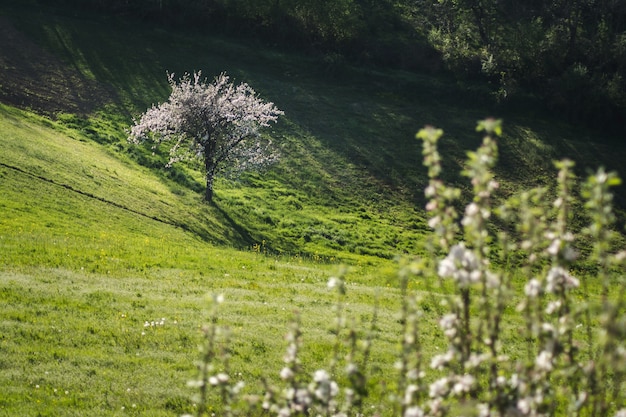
<point>571,367</point>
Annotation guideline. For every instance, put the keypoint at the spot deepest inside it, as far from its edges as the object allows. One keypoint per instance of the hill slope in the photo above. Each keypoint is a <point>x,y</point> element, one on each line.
<point>105,256</point>
<point>350,179</point>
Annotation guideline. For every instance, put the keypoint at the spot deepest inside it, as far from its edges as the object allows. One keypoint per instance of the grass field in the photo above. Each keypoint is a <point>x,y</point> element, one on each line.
<point>97,240</point>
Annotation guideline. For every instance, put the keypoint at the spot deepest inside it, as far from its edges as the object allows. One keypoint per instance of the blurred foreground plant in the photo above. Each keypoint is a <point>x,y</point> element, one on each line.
<point>572,367</point>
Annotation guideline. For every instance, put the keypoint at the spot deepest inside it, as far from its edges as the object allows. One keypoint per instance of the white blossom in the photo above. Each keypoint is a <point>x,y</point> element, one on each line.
<point>408,393</point>
<point>302,399</point>
<point>323,387</point>
<point>523,405</point>
<point>433,222</point>
<point>448,324</point>
<point>548,329</point>
<point>238,387</point>
<point>414,411</point>
<point>544,361</point>
<point>321,376</point>
<point>483,410</point>
<point>286,373</point>
<point>533,288</point>
<point>461,264</point>
<point>558,279</point>
<point>553,306</point>
<point>216,122</point>
<point>463,384</point>
<point>439,361</point>
<point>475,359</point>
<point>554,247</point>
<point>333,282</point>
<point>439,388</point>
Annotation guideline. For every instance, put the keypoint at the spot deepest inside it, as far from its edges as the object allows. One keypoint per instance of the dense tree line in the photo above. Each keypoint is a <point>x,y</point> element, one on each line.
<point>569,53</point>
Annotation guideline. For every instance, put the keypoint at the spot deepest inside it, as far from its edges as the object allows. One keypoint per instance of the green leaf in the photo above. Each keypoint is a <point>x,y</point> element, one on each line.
<point>614,181</point>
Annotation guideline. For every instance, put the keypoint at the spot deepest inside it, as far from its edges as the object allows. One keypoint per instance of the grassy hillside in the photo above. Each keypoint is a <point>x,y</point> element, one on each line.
<point>350,181</point>
<point>82,271</point>
<point>96,238</point>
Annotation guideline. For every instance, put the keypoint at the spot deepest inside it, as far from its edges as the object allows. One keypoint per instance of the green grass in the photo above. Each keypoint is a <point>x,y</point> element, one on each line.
<point>96,238</point>
<point>91,250</point>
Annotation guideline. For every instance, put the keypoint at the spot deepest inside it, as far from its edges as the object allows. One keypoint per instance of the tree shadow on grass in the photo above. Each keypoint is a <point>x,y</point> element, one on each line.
<point>243,238</point>
<point>33,78</point>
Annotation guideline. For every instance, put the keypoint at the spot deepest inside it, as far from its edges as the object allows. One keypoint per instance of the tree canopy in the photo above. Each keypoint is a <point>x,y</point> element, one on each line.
<point>216,122</point>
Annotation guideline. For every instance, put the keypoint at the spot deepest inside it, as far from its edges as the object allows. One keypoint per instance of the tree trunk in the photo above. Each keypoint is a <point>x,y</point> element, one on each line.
<point>210,168</point>
<point>208,192</point>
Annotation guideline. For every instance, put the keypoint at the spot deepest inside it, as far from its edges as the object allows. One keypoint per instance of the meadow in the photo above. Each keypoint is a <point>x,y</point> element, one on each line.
<point>106,259</point>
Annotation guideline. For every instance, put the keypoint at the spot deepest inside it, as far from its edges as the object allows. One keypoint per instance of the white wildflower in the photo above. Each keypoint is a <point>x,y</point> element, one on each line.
<point>291,353</point>
<point>195,383</point>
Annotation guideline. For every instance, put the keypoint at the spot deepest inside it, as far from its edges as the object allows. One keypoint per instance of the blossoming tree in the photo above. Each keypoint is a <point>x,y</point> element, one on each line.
<point>215,122</point>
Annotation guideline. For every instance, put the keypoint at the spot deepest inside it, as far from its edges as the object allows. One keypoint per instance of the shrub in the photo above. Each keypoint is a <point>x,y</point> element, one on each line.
<point>565,364</point>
